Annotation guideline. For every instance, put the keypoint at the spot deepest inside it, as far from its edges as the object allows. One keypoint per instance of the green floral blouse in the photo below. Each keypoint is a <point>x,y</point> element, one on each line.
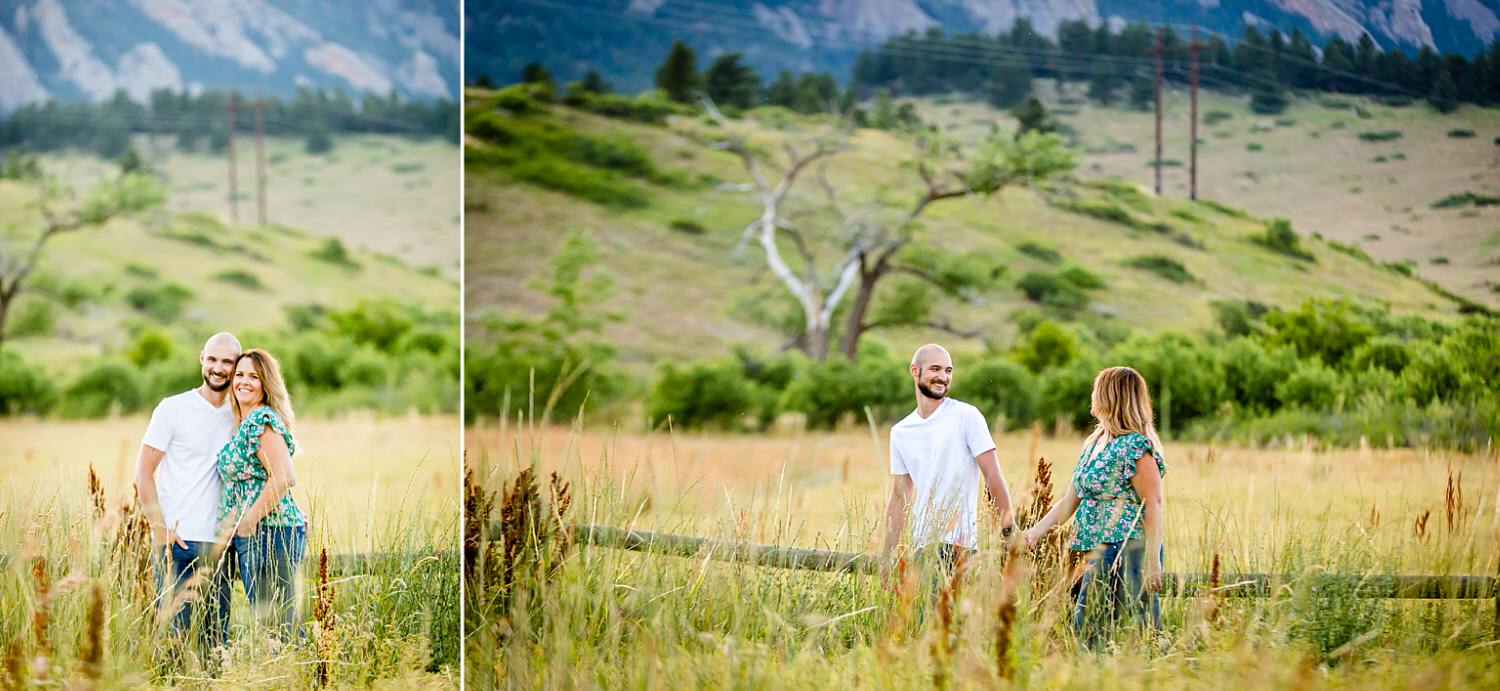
<point>244,475</point>
<point>1109,508</point>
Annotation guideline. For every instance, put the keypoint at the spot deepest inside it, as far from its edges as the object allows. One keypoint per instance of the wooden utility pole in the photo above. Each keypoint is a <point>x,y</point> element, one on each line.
<point>1193,80</point>
<point>234,195</point>
<point>1158,111</point>
<point>260,166</point>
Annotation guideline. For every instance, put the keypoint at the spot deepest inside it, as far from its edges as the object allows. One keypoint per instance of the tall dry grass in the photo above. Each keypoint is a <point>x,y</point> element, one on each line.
<point>598,617</point>
<point>79,604</point>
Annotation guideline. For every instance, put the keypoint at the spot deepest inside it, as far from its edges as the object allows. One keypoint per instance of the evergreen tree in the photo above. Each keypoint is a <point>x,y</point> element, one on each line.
<point>1270,97</point>
<point>678,74</point>
<point>1103,82</point>
<point>1142,91</point>
<point>783,91</point>
<point>1032,116</point>
<point>594,83</point>
<point>731,82</point>
<point>484,82</point>
<point>535,73</point>
<point>1444,94</point>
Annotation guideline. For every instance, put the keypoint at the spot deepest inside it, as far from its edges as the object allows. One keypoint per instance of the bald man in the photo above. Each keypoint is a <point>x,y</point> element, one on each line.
<point>179,490</point>
<point>938,454</point>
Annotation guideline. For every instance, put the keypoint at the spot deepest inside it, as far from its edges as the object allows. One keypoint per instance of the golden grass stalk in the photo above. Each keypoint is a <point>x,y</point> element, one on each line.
<point>96,493</point>
<point>91,642</point>
<point>947,633</point>
<point>1419,526</point>
<point>1005,616</point>
<point>324,618</point>
<point>1212,613</point>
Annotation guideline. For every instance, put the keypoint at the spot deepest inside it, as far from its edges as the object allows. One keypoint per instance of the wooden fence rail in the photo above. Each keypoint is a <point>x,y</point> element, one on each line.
<point>356,564</point>
<point>1465,587</point>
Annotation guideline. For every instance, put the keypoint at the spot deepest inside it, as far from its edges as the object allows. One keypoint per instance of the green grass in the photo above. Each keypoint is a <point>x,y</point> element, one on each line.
<point>1162,266</point>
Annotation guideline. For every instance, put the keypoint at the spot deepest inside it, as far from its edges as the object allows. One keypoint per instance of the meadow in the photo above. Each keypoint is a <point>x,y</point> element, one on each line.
<point>370,485</point>
<point>572,615</point>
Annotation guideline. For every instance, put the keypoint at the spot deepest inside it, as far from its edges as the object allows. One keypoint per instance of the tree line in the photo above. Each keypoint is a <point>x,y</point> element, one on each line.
<point>1001,66</point>
<point>201,120</point>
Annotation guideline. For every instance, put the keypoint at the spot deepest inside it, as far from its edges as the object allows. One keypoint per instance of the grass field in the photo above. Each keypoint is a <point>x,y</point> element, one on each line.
<point>595,617</point>
<point>383,193</point>
<point>368,485</point>
<point>1308,164</point>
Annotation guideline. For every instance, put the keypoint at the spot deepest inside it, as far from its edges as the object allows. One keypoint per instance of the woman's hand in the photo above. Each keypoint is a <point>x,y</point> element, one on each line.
<point>245,528</point>
<point>1031,536</point>
<point>1151,575</point>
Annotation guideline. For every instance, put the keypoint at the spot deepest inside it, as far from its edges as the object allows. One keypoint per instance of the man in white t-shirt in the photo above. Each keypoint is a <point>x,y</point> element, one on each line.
<point>179,490</point>
<point>938,454</point>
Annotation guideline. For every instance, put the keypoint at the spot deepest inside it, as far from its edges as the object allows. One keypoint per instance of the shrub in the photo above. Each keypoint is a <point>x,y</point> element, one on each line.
<point>32,316</point>
<point>332,251</point>
<point>149,346</point>
<point>1252,372</point>
<point>1063,393</point>
<point>1046,346</point>
<point>378,323</point>
<point>24,388</point>
<point>1052,291</point>
<point>1351,250</point>
<point>601,187</point>
<point>1225,209</point>
<point>1461,134</point>
<point>1081,278</point>
<point>1253,146</point>
<point>1381,352</point>
<point>688,226</point>
<point>1311,385</point>
<point>1464,199</point>
<point>1380,136</point>
<point>241,278</point>
<point>100,387</point>
<point>1040,252</point>
<point>1279,237</point>
<point>1163,266</point>
<point>1401,267</point>
<point>707,394</point>
<point>163,302</point>
<point>1214,117</point>
<point>1184,375</point>
<point>1329,330</point>
<point>1000,388</point>
<point>837,388</point>
<point>1237,318</point>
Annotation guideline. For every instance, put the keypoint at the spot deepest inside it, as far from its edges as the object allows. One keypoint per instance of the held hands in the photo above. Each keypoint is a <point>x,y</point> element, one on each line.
<point>1032,536</point>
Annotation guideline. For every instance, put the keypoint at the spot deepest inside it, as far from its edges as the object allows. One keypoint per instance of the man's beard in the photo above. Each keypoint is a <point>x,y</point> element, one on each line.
<point>930,393</point>
<point>216,389</point>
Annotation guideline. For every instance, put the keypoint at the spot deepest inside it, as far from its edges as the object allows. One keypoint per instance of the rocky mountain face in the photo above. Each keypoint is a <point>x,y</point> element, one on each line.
<point>625,39</point>
<point>89,49</point>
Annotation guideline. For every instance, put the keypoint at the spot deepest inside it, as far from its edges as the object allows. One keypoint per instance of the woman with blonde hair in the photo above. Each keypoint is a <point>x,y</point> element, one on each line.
<point>269,532</point>
<point>1115,501</point>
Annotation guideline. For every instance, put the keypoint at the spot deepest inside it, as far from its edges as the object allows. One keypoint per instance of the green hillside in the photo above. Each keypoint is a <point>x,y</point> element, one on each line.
<point>683,293</point>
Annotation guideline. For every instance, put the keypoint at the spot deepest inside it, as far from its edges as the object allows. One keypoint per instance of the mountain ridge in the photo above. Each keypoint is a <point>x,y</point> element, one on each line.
<point>89,49</point>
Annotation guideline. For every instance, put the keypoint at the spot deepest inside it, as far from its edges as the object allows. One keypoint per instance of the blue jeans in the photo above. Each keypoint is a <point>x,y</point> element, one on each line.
<point>177,569</point>
<point>270,567</point>
<point>1113,590</point>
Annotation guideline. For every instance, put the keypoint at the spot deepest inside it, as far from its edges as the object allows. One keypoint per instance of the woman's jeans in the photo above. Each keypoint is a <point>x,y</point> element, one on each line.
<point>1112,592</point>
<point>270,567</point>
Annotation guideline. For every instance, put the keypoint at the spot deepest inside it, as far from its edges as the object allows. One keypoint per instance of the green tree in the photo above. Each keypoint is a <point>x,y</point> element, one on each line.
<point>129,194</point>
<point>535,73</point>
<point>1444,94</point>
<point>1032,116</point>
<point>594,83</point>
<point>678,74</point>
<point>1142,91</point>
<point>728,81</point>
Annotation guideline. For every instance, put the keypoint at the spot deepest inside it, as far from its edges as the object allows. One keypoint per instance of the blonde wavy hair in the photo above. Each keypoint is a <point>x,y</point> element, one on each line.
<point>272,386</point>
<point>1122,404</point>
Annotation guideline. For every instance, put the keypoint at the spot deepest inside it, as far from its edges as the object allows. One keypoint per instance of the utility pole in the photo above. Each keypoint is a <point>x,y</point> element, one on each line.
<point>260,166</point>
<point>1193,156</point>
<point>1158,111</point>
<point>234,202</point>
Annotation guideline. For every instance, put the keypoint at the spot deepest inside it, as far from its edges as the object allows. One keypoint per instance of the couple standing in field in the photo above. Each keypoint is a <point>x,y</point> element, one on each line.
<point>215,476</point>
<point>942,449</point>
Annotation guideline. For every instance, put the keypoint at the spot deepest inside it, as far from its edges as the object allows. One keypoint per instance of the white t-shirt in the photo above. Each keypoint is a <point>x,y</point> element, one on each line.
<point>938,453</point>
<point>191,431</point>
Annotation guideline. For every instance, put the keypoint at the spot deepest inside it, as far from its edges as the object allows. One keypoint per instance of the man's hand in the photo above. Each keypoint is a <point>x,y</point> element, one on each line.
<point>162,536</point>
